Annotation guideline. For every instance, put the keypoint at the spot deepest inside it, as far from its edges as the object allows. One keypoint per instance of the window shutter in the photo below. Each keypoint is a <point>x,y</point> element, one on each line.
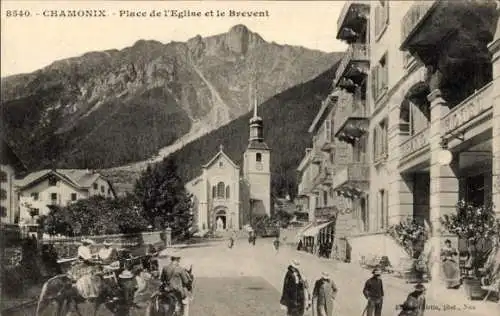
<point>374,82</point>
<point>377,20</point>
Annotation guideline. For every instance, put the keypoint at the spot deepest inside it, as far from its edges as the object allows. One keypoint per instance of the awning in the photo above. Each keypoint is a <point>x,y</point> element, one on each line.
<point>314,231</point>
<point>301,232</point>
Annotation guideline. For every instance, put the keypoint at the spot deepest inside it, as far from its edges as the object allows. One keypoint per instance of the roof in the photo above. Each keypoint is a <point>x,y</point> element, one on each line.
<point>80,178</point>
<point>326,105</point>
<point>9,157</point>
<point>258,145</point>
<point>313,231</point>
<point>305,160</point>
<point>221,153</point>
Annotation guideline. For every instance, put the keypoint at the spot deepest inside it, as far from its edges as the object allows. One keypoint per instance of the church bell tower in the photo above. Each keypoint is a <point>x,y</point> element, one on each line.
<point>257,166</point>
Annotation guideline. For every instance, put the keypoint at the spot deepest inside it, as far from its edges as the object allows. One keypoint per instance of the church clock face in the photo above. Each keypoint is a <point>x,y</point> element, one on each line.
<point>259,166</point>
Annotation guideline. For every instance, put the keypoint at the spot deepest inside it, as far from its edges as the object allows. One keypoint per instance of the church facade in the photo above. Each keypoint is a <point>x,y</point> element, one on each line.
<point>225,195</point>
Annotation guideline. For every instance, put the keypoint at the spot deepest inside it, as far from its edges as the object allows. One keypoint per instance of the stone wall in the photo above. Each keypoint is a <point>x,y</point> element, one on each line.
<point>67,247</point>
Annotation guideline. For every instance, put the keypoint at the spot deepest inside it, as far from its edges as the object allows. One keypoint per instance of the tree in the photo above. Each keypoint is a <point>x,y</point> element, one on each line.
<point>164,199</point>
<point>476,224</point>
<point>95,216</point>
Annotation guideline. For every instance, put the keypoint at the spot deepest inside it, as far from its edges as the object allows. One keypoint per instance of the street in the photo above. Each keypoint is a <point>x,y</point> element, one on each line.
<point>247,280</point>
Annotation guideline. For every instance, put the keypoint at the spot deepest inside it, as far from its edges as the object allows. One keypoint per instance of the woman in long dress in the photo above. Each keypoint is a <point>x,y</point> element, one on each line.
<point>449,264</point>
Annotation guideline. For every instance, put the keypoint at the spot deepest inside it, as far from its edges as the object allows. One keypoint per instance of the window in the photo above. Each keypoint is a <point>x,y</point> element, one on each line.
<point>73,196</point>
<point>380,77</point>
<point>325,198</point>
<point>220,190</point>
<point>381,17</point>
<point>52,181</point>
<point>221,164</point>
<point>380,141</point>
<point>53,196</point>
<point>3,211</point>
<point>3,194</point>
<point>227,192</point>
<point>384,216</point>
<point>258,157</point>
<point>102,189</point>
<point>95,186</point>
<point>3,176</point>
<point>214,191</point>
<point>34,212</point>
<point>35,196</point>
<point>364,213</point>
<point>328,130</point>
<point>359,150</point>
<point>475,190</point>
<point>109,191</point>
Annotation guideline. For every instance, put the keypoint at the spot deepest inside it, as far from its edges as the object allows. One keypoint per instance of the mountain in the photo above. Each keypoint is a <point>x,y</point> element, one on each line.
<point>116,107</point>
<point>287,117</point>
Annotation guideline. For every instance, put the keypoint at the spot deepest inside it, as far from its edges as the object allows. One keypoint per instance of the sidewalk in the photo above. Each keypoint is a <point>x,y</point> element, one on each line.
<point>352,277</point>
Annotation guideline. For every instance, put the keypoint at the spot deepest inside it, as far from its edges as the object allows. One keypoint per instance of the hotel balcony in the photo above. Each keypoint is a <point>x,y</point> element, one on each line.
<point>304,188</point>
<point>316,156</point>
<point>353,67</point>
<point>458,28</point>
<point>352,181</point>
<point>472,116</point>
<point>325,212</point>
<point>352,21</point>
<point>324,178</point>
<point>324,139</point>
<point>352,123</point>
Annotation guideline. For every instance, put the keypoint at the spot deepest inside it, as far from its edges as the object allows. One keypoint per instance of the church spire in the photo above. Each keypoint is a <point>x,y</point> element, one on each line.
<point>256,124</point>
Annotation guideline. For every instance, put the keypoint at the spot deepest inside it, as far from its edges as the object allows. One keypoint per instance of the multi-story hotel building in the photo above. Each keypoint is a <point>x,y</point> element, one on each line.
<point>431,71</point>
<point>335,171</point>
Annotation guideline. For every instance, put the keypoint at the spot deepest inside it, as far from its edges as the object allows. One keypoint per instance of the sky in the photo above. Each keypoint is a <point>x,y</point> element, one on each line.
<point>31,43</point>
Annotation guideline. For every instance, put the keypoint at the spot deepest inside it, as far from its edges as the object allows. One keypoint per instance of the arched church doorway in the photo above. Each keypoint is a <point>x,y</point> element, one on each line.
<point>220,220</point>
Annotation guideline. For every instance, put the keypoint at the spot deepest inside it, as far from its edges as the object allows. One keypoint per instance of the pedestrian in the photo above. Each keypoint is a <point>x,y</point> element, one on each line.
<point>415,302</point>
<point>276,244</point>
<point>324,293</point>
<point>374,293</point>
<point>295,296</point>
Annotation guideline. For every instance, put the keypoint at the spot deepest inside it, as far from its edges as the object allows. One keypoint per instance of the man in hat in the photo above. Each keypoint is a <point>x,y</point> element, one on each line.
<point>295,291</point>
<point>415,302</point>
<point>167,272</point>
<point>128,285</point>
<point>176,278</point>
<point>374,293</point>
<point>324,293</point>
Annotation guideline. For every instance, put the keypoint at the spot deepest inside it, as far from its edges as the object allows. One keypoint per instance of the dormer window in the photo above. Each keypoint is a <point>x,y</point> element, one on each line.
<point>258,157</point>
<point>221,164</point>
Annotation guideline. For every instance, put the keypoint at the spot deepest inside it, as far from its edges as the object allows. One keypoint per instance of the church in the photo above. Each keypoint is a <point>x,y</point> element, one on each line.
<point>225,196</point>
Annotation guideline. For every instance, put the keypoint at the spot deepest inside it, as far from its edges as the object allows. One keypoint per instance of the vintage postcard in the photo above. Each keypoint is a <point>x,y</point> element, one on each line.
<point>222,158</point>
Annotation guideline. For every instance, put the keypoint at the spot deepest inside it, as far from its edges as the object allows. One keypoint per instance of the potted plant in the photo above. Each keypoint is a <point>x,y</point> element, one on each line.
<point>411,236</point>
<point>477,225</point>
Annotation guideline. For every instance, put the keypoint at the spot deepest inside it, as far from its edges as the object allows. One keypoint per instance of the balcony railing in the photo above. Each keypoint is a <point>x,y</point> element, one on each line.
<point>355,52</point>
<point>325,211</point>
<point>324,177</point>
<point>357,111</point>
<point>415,142</point>
<point>347,12</point>
<point>414,17</point>
<point>316,156</point>
<point>353,173</point>
<point>470,109</point>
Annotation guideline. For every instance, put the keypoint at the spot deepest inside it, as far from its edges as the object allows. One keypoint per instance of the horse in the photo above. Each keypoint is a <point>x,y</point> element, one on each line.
<point>167,303</point>
<point>61,289</point>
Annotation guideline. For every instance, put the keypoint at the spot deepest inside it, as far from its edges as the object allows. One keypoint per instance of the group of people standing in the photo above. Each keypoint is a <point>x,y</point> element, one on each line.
<point>296,298</point>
